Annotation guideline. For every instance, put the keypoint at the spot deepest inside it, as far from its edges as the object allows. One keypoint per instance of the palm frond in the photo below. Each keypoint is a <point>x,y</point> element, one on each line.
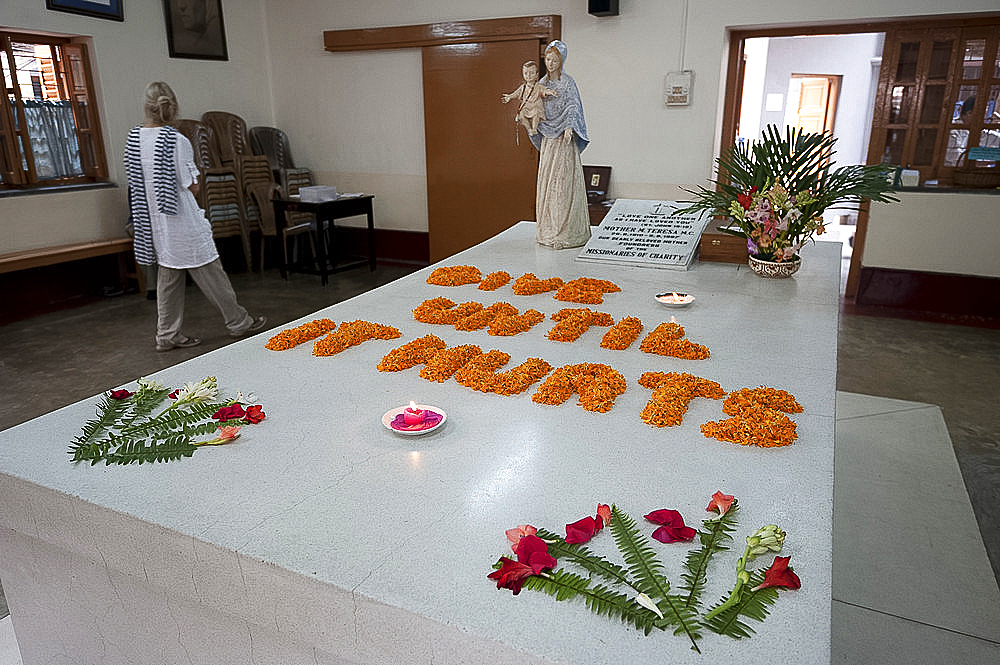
<point>713,536</point>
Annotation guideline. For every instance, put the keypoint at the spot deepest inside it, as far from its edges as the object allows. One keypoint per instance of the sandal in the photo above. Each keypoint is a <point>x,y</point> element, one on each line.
<point>182,343</point>
<point>257,324</point>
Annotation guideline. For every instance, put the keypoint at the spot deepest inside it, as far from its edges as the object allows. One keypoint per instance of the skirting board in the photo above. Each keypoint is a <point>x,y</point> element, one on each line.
<point>930,292</point>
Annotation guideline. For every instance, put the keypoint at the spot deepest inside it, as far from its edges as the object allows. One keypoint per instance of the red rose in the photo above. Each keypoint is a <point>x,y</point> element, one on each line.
<point>120,394</point>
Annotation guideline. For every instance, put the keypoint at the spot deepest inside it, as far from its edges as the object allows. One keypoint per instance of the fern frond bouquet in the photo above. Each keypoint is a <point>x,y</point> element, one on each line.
<point>636,591</point>
<point>774,190</point>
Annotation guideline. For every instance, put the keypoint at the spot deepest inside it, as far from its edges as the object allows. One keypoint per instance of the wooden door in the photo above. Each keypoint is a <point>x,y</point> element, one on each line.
<point>817,105</point>
<point>480,180</point>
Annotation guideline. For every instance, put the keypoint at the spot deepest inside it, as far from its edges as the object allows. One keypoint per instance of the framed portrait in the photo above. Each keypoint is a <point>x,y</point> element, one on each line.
<point>195,29</point>
<point>109,9</point>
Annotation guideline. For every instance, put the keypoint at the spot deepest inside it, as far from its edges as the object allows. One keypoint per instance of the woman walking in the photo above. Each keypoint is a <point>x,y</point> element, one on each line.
<point>170,229</point>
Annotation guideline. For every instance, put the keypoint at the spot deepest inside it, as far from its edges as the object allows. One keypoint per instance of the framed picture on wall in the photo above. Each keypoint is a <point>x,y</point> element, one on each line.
<point>109,9</point>
<point>195,29</point>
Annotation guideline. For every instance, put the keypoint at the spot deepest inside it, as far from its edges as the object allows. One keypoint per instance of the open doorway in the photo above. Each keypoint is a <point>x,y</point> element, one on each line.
<point>817,82</point>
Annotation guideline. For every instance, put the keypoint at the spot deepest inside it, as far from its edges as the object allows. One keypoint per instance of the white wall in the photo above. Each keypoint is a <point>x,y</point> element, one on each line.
<point>356,118</point>
<point>127,56</point>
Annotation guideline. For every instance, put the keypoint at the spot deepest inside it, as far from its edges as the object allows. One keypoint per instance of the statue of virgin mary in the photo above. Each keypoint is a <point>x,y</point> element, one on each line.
<point>561,196</point>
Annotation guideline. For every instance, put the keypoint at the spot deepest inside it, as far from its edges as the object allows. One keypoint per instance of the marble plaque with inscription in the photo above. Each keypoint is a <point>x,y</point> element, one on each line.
<point>646,233</point>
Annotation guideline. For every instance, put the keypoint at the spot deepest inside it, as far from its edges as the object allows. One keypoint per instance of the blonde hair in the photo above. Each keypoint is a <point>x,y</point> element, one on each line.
<point>160,103</point>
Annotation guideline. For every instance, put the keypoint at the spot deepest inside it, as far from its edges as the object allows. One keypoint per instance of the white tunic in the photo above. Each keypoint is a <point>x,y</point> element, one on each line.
<point>183,240</point>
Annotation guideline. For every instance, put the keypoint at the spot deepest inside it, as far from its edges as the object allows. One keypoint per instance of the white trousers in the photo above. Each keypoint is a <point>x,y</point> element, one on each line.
<point>213,282</point>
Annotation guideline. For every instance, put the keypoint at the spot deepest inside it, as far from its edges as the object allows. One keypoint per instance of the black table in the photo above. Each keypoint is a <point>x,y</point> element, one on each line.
<point>327,211</point>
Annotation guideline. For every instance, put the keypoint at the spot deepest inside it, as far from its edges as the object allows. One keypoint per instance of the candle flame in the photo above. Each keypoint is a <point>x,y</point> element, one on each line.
<point>413,407</point>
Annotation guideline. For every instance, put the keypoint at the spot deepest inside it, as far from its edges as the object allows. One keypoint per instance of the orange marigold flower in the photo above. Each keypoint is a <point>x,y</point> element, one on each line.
<point>411,354</point>
<point>672,392</point>
<point>780,400</point>
<point>573,322</point>
<point>597,385</point>
<point>482,318</point>
<point>494,281</point>
<point>754,426</point>
<point>454,276</point>
<point>352,333</point>
<point>622,334</point>
<point>445,362</point>
<point>506,325</point>
<point>529,285</point>
<point>481,374</point>
<point>665,340</point>
<point>442,311</point>
<point>292,337</point>
<point>586,290</point>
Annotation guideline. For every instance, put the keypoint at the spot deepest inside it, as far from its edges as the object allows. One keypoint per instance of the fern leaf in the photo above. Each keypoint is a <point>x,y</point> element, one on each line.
<point>580,555</point>
<point>138,451</point>
<point>713,536</point>
<point>752,604</point>
<point>172,420</point>
<point>108,412</point>
<point>639,555</point>
<point>645,568</point>
<point>599,599</point>
<point>144,403</point>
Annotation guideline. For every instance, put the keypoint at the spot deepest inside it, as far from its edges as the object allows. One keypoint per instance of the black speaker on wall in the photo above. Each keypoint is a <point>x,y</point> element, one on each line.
<point>603,7</point>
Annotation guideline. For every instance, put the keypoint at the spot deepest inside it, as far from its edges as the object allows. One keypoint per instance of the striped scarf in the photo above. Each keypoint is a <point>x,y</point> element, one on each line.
<point>165,187</point>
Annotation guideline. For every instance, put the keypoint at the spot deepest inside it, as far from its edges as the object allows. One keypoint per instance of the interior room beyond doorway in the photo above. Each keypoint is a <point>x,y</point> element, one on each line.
<point>819,83</point>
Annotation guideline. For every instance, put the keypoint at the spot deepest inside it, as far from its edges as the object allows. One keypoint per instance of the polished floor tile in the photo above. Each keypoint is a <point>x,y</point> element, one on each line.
<point>906,542</point>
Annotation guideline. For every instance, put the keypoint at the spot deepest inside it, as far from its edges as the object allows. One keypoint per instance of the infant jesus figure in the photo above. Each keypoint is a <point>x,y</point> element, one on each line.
<point>532,108</point>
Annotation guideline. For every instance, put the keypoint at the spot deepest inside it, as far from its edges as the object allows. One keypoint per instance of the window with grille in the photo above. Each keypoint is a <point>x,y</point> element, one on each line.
<point>49,128</point>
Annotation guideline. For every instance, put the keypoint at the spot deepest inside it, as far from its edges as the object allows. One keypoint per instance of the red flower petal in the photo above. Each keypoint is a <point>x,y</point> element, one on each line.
<point>674,534</point>
<point>673,528</point>
<point>582,530</point>
<point>517,533</point>
<point>720,502</point>
<point>511,575</point>
<point>174,394</point>
<point>254,414</point>
<point>604,512</point>
<point>120,394</point>
<point>231,412</point>
<point>780,575</point>
<point>533,552</point>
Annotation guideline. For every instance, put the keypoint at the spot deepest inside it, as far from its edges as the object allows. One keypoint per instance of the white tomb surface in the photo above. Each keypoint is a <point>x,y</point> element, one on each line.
<point>322,537</point>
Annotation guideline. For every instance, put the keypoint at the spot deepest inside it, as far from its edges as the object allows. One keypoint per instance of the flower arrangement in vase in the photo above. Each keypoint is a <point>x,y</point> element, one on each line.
<point>774,191</point>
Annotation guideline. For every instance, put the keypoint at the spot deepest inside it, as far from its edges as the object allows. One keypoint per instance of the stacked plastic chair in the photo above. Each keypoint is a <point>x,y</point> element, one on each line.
<point>297,223</point>
<point>257,185</point>
<point>220,193</point>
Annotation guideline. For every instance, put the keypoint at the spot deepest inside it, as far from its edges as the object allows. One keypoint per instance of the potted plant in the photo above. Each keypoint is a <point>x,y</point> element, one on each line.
<point>774,191</point>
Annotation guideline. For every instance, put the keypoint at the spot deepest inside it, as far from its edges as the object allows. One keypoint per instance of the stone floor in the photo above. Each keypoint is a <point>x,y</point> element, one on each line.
<point>55,359</point>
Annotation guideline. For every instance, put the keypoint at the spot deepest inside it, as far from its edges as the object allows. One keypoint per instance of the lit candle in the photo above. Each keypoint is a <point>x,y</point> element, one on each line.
<point>412,415</point>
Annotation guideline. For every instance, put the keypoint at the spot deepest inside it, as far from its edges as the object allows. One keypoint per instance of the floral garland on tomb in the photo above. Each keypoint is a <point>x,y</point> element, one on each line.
<point>131,428</point>
<point>635,590</point>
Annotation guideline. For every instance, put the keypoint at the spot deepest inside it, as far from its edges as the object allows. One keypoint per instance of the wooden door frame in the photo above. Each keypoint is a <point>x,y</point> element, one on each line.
<point>734,92</point>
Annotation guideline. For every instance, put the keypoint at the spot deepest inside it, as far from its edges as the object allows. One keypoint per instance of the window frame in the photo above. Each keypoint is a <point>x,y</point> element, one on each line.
<point>74,74</point>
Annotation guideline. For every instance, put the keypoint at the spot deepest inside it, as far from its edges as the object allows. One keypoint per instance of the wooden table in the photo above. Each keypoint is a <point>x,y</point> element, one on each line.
<point>328,212</point>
